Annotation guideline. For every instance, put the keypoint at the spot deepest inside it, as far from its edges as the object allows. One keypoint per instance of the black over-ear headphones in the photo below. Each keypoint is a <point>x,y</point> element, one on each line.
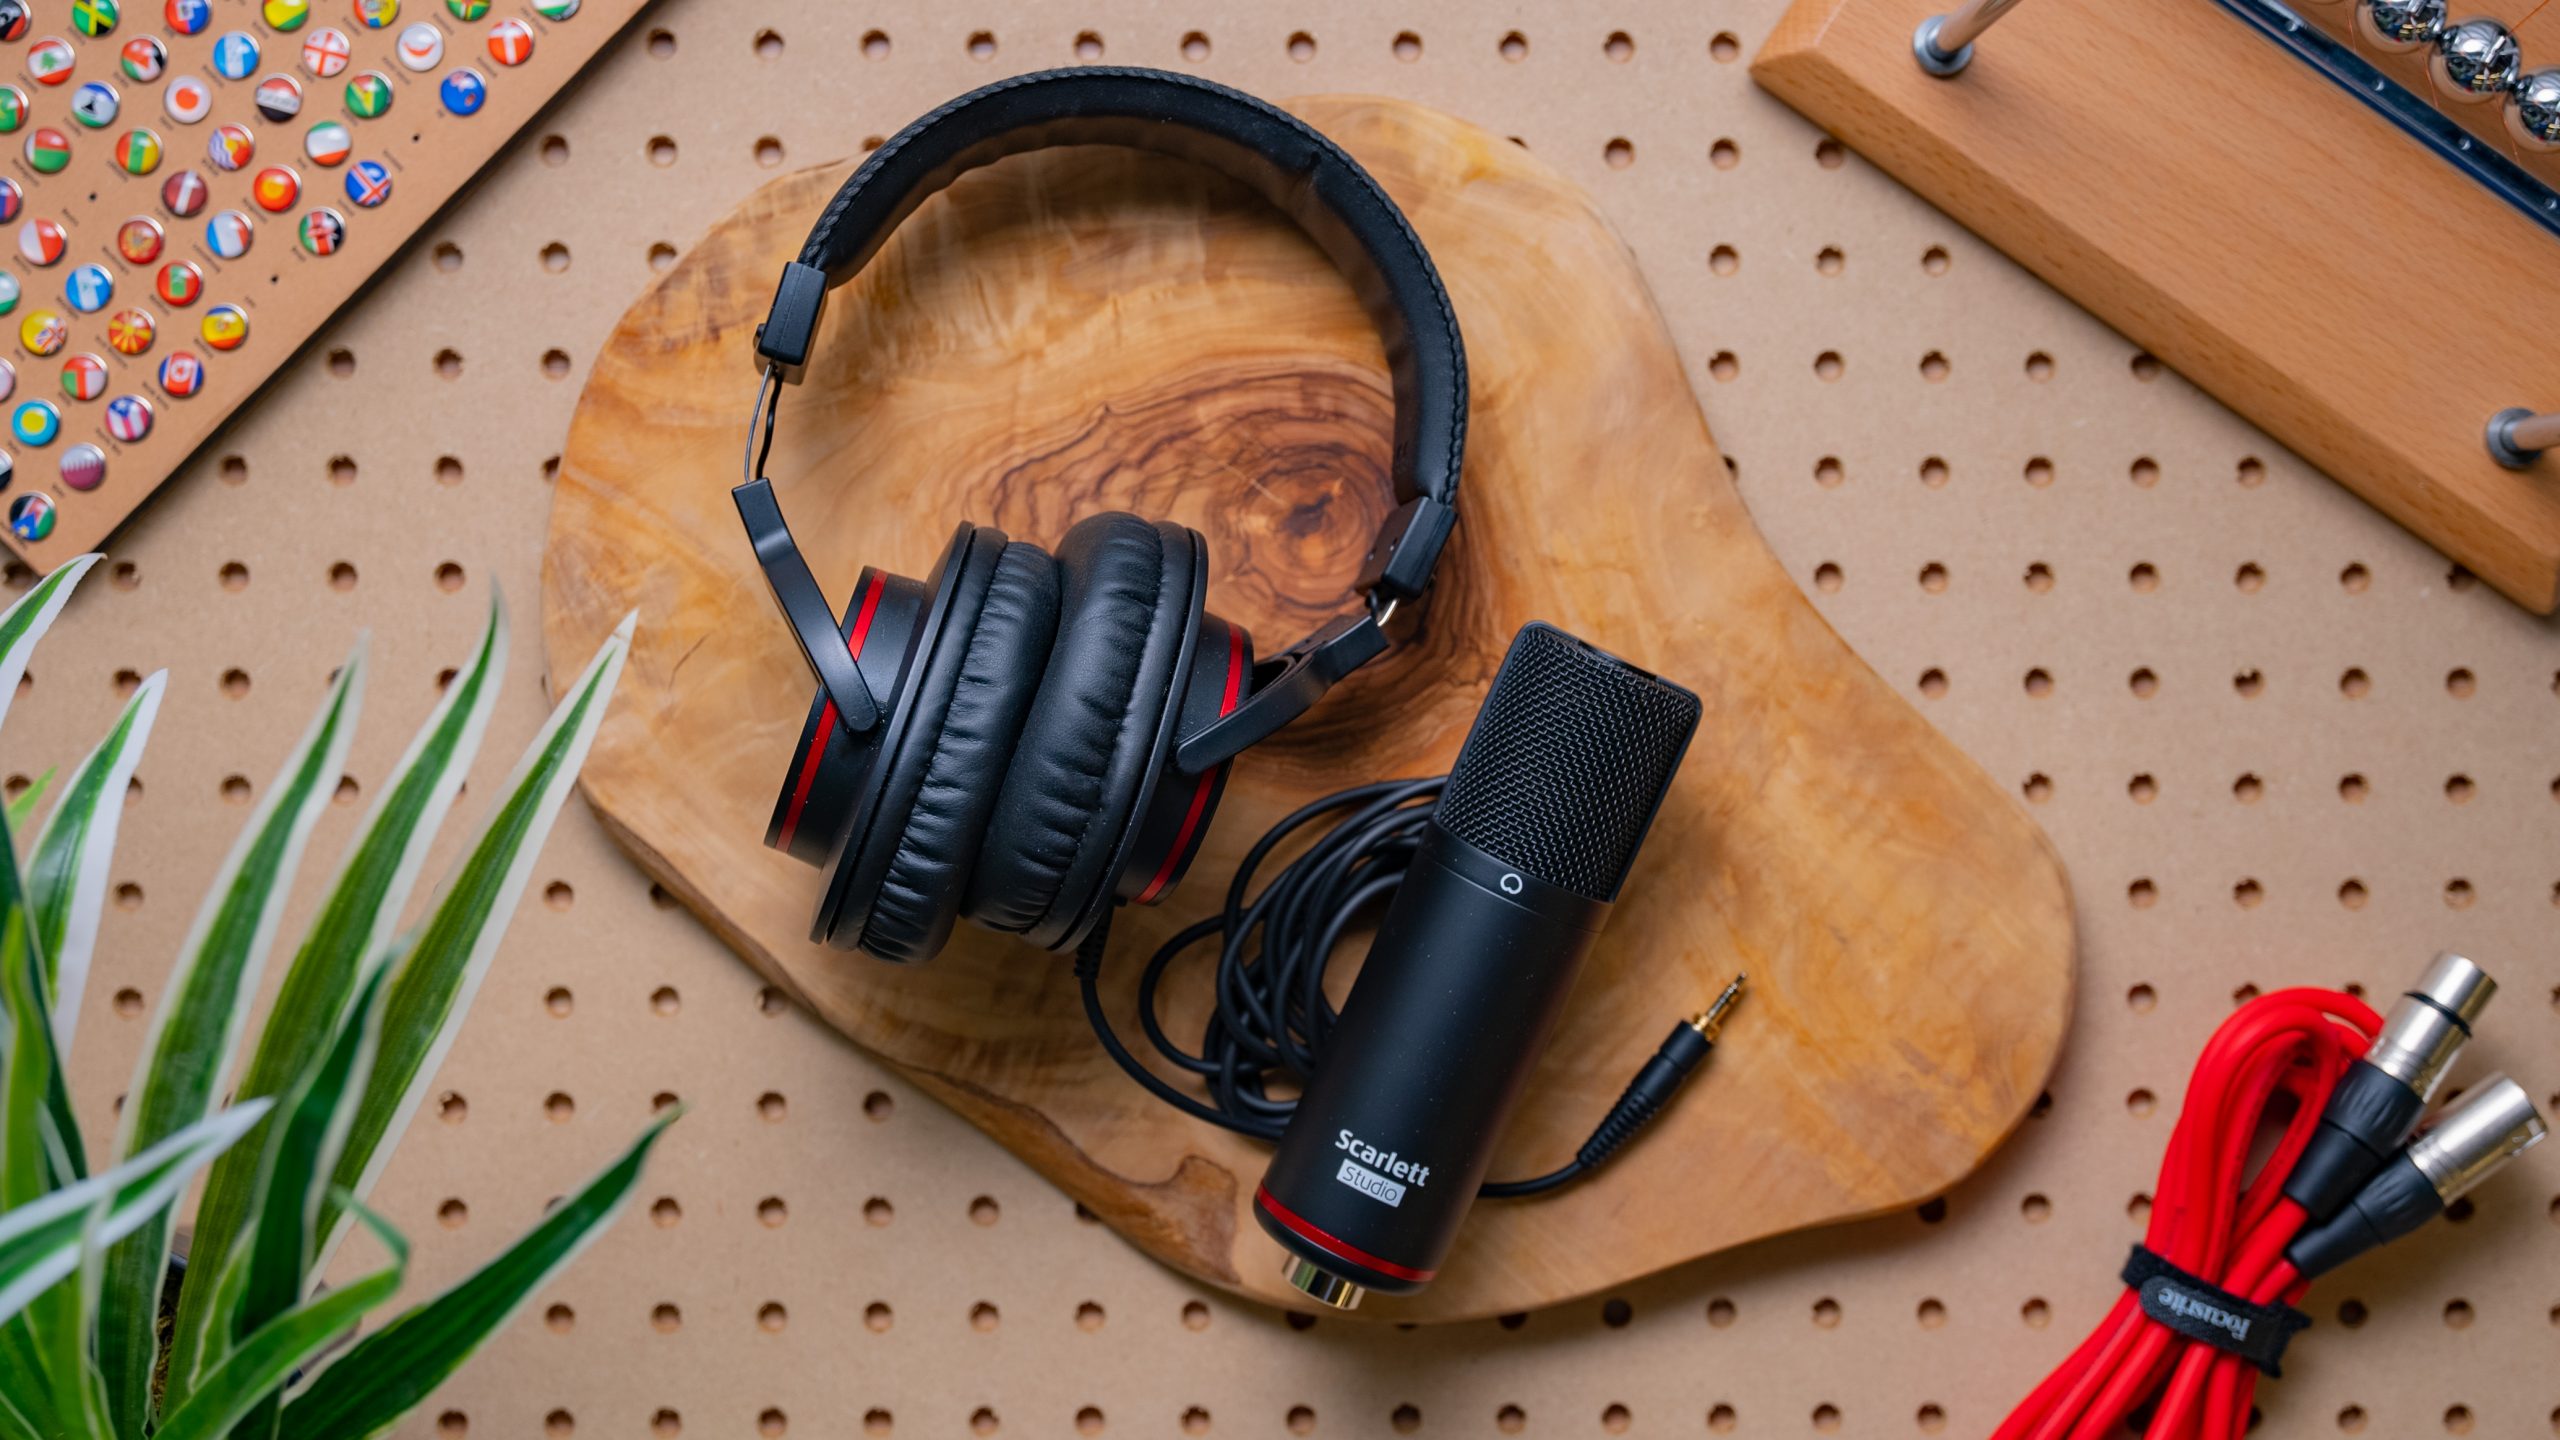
<point>1024,737</point>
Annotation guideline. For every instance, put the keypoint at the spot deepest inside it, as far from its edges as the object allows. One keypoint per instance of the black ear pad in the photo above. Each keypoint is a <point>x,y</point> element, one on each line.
<point>1128,596</point>
<point>964,758</point>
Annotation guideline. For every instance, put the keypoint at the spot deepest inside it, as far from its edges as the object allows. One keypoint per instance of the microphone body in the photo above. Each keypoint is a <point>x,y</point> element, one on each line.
<point>1543,815</point>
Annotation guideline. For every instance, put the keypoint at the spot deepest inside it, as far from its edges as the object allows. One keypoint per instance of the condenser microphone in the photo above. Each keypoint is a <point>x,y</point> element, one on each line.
<point>1541,820</point>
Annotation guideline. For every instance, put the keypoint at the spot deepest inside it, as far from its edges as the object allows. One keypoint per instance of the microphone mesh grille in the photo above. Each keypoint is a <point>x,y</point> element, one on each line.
<point>1567,762</point>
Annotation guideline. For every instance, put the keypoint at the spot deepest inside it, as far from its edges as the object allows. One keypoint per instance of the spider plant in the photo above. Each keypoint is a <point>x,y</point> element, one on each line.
<point>254,1344</point>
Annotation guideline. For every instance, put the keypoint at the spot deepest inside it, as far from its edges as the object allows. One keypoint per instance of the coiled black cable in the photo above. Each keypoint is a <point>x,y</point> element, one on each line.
<point>1271,1020</point>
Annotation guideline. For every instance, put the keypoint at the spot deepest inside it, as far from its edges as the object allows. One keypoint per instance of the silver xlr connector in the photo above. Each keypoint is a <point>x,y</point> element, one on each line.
<point>2491,1124</point>
<point>2431,1022</point>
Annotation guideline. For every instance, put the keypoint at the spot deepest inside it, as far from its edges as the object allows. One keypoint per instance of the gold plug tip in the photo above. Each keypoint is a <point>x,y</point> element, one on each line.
<point>1710,1021</point>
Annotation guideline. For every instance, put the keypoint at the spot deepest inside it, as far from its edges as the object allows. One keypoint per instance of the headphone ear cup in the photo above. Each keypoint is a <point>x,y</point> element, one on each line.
<point>963,758</point>
<point>1128,595</point>
<point>824,781</point>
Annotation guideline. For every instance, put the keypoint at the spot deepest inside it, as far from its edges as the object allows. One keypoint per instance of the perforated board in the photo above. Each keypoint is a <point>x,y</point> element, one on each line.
<point>2276,740</point>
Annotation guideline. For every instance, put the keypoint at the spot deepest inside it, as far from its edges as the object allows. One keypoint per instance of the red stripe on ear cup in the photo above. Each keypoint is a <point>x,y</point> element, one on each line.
<point>869,603</point>
<point>1182,840</point>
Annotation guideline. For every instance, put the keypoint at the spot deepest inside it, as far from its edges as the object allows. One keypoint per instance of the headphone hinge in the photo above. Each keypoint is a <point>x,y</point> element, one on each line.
<point>1285,687</point>
<point>1400,561</point>
<point>790,328</point>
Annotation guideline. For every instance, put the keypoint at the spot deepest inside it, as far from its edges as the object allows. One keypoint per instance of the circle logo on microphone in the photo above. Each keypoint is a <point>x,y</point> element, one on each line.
<point>1511,884</point>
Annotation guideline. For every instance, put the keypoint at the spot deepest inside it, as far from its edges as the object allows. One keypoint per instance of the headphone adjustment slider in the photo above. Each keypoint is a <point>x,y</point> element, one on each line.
<point>1399,563</point>
<point>790,328</point>
<point>1285,687</point>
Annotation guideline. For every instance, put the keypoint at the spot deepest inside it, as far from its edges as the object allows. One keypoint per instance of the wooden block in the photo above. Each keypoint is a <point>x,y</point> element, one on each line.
<point>2236,214</point>
<point>1078,330</point>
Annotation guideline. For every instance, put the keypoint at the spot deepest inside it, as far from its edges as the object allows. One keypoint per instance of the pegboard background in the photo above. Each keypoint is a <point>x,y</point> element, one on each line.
<point>2277,741</point>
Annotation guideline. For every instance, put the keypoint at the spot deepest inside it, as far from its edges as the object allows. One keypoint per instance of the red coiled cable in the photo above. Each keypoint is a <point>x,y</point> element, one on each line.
<point>2213,1220</point>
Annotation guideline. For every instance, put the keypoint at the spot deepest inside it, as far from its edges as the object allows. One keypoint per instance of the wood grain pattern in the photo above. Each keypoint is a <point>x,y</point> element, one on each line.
<point>2243,219</point>
<point>1089,328</point>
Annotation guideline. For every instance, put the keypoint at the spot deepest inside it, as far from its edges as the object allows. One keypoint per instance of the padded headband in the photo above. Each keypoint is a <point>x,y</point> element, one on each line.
<point>1303,174</point>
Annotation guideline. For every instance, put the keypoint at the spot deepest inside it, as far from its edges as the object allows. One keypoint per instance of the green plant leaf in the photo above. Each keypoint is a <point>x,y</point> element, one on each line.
<point>201,1015</point>
<point>40,1240</point>
<point>445,960</point>
<point>22,811</point>
<point>367,1389</point>
<point>67,869</point>
<point>254,1372</point>
<point>39,1138</point>
<point>25,622</point>
<point>349,937</point>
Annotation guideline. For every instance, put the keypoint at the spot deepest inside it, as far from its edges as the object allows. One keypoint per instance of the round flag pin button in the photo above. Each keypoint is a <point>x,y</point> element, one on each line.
<point>93,18</point>
<point>511,42</point>
<point>275,189</point>
<point>95,104</point>
<point>138,151</point>
<point>139,240</point>
<point>181,375</point>
<point>285,15</point>
<point>377,14</point>
<point>31,516</point>
<point>43,332</point>
<point>464,91</point>
<point>8,385</point>
<point>88,288</point>
<point>188,17</point>
<point>84,466</point>
<point>323,232</point>
<point>188,99</point>
<point>84,377</point>
<point>279,97</point>
<point>327,143</point>
<point>144,58</point>
<point>421,46</point>
<point>8,298</point>
<point>235,55</point>
<point>467,11</point>
<point>129,417</point>
<point>13,109</point>
<point>50,61</point>
<point>35,422</point>
<point>48,150</point>
<point>184,193</point>
<point>369,94</point>
<point>40,241</point>
<point>325,53</point>
<point>555,9</point>
<point>368,184</point>
<point>229,147</point>
<point>12,199</point>
<point>227,235</point>
<point>180,283</point>
<point>129,332</point>
<point>15,17</point>
<point>224,327</point>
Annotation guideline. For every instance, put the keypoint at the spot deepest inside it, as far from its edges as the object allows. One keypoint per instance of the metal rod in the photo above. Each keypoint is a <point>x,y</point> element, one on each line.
<point>2516,437</point>
<point>1944,43</point>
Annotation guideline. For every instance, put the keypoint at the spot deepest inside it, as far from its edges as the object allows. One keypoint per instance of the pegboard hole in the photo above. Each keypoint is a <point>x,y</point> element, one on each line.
<point>2458,894</point>
<point>555,148</point>
<point>2143,683</point>
<point>453,1425</point>
<point>662,151</point>
<point>985,1211</point>
<point>876,1421</point>
<point>1934,367</point>
<point>1827,365</point>
<point>1405,1419</point>
<point>771,1108</point>
<point>666,1319</point>
<point>771,1317</point>
<point>1724,154</point>
<point>2039,472</point>
<point>1932,1313</point>
<point>2035,1209</point>
<point>2355,684</point>
<point>2457,1420</point>
<point>453,1214</point>
<point>1620,46</point>
<point>666,1424</point>
<point>233,577</point>
<point>2140,1103</point>
<point>559,896</point>
<point>1089,1316</point>
<point>555,364</point>
<point>2248,684</point>
<point>662,44</point>
<point>1933,683</point>
<point>772,1423</point>
<point>2248,894</point>
<point>1724,260</point>
<point>2353,789</point>
<point>665,1001</point>
<point>2038,683</point>
<point>2252,473</point>
<point>1620,153</point>
<point>1721,1419</point>
<point>1407,46</point>
<point>1828,154</point>
<point>1617,1314</point>
<point>1089,1420</point>
<point>1510,1420</point>
<point>2351,1419</point>
<point>235,789</point>
<point>2039,366</point>
<point>662,257</point>
<point>555,258</point>
<point>2352,894</point>
<point>2460,684</point>
<point>2038,788</point>
<point>1933,577</point>
<point>449,577</point>
<point>342,470</point>
<point>558,1108</point>
<point>448,364</point>
<point>1826,1313</point>
<point>772,1212</point>
<point>1828,473</point>
<point>1934,472</point>
<point>2138,1208</point>
<point>347,791</point>
<point>1302,47</point>
<point>1088,46</point>
<point>2144,472</point>
<point>875,45</point>
<point>666,1212</point>
<point>452,1109</point>
<point>1195,1315</point>
<point>1513,47</point>
<point>1195,47</point>
<point>1826,1418</point>
<point>983,1317</point>
<point>342,363</point>
<point>559,1425</point>
<point>2144,367</point>
<point>1723,366</point>
<point>2250,578</point>
<point>447,256</point>
<point>878,1106</point>
<point>2355,579</point>
<point>2457,1314</point>
<point>2036,1313</point>
<point>2142,894</point>
<point>877,1212</point>
<point>1932,1212</point>
<point>768,45</point>
<point>560,1319</point>
<point>1721,1313</point>
<point>1829,261</point>
<point>876,1317</point>
<point>1827,577</point>
<point>768,151</point>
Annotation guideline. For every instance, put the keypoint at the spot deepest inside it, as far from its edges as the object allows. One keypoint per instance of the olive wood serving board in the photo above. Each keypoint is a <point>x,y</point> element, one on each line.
<point>1087,329</point>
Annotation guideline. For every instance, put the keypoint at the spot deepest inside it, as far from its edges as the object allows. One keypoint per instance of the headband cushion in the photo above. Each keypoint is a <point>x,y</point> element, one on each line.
<point>964,758</point>
<point>1126,598</point>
